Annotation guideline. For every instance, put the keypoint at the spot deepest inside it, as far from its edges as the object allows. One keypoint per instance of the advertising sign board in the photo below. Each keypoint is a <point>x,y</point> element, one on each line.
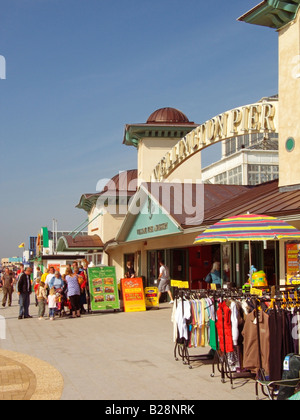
<point>103,288</point>
<point>133,295</point>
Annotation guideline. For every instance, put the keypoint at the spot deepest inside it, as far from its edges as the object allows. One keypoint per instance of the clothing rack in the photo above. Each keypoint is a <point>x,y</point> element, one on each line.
<point>281,303</point>
<point>223,356</point>
<point>282,296</point>
<point>181,348</point>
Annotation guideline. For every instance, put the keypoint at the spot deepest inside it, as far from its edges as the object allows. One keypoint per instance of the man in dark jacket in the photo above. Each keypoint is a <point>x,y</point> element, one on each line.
<point>24,291</point>
<point>7,281</point>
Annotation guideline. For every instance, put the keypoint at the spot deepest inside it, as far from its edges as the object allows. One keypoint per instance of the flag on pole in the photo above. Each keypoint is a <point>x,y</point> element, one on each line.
<point>22,245</point>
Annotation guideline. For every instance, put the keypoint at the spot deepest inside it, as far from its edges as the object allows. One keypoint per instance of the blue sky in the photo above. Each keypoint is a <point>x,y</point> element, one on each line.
<point>77,71</point>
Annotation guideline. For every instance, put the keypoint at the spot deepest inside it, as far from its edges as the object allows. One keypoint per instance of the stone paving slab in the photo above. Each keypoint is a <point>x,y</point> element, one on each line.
<point>105,356</point>
<point>23,377</point>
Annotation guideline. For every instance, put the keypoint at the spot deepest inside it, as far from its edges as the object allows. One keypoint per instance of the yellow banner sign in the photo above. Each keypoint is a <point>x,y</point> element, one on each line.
<point>293,280</point>
<point>257,292</point>
<point>180,284</point>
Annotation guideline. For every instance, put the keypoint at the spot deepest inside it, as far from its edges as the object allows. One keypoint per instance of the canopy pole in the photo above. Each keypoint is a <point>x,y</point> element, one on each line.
<point>250,261</point>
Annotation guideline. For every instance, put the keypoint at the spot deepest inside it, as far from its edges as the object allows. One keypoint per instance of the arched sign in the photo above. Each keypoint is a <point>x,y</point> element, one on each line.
<point>260,117</point>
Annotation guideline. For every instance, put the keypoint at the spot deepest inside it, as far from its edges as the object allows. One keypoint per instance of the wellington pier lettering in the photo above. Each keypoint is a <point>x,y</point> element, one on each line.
<point>257,118</point>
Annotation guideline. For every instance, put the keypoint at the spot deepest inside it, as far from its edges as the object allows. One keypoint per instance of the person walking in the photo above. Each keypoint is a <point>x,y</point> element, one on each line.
<point>19,274</point>
<point>44,276</point>
<point>38,275</point>
<point>56,282</point>
<point>24,291</point>
<point>164,284</point>
<point>73,292</point>
<point>7,286</point>
<point>50,278</point>
<point>52,303</point>
<point>37,280</point>
<point>87,289</point>
<point>82,283</point>
<point>41,296</point>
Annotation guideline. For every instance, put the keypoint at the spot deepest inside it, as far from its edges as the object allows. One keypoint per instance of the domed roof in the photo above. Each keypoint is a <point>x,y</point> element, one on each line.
<point>168,116</point>
<point>123,181</point>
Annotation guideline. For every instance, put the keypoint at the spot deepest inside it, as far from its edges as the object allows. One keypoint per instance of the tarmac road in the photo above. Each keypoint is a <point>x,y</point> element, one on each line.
<point>103,356</point>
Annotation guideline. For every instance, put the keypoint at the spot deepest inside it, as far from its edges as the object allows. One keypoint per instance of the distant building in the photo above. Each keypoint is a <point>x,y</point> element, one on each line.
<point>46,253</point>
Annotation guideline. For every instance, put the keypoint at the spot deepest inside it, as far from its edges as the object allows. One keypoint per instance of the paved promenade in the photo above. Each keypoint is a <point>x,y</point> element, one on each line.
<point>107,356</point>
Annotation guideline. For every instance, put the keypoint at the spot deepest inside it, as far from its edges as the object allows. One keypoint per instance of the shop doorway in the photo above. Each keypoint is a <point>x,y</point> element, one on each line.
<point>264,256</point>
<point>271,262</point>
<point>177,260</point>
<point>153,264</point>
<point>179,264</point>
<point>128,258</point>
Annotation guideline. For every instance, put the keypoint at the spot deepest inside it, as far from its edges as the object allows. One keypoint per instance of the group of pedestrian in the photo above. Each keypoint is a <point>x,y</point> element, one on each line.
<point>51,290</point>
<point>61,291</point>
<point>22,282</point>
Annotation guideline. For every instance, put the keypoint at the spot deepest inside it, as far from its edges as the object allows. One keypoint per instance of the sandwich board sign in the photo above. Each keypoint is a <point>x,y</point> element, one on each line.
<point>103,288</point>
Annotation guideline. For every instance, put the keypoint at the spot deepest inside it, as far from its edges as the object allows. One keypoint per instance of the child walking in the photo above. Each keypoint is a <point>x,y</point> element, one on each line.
<point>41,296</point>
<point>52,300</point>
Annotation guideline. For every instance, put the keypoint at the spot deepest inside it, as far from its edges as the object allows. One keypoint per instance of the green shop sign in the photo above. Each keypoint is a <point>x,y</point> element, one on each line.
<point>152,221</point>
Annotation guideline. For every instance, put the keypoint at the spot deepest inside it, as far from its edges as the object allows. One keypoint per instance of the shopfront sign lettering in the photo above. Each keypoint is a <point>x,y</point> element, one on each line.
<point>152,229</point>
<point>255,118</point>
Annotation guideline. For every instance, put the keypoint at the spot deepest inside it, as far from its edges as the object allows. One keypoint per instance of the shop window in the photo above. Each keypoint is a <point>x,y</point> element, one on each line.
<point>226,263</point>
<point>243,142</point>
<point>98,259</point>
<point>221,178</point>
<point>230,146</point>
<point>178,264</point>
<point>258,174</point>
<point>235,176</point>
<point>271,262</point>
<point>240,142</point>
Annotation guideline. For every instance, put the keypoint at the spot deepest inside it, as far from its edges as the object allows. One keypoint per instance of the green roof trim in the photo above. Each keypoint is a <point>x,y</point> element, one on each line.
<point>134,133</point>
<point>272,13</point>
<point>87,203</point>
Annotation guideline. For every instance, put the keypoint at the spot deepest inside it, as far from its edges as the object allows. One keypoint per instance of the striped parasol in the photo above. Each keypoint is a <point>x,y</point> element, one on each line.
<point>248,227</point>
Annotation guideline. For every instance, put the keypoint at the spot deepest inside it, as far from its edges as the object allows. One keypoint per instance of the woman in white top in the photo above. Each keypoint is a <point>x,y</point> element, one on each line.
<point>164,284</point>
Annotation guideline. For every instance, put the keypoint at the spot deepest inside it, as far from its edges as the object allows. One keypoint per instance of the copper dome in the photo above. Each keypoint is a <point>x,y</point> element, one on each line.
<point>123,181</point>
<point>168,116</point>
